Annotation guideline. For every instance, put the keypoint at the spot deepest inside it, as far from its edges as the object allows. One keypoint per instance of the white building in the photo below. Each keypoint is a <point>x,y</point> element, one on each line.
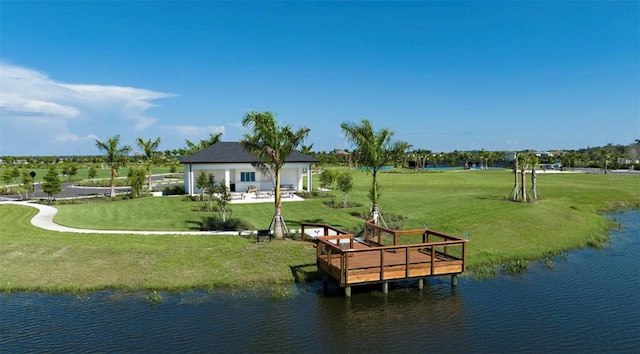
<point>228,161</point>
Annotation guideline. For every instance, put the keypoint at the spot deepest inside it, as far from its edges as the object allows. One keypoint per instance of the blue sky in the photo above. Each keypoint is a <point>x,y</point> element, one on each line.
<point>443,76</point>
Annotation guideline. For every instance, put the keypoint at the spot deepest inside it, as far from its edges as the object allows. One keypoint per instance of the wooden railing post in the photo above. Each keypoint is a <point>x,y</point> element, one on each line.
<point>345,255</point>
<point>343,275</point>
<point>463,255</point>
<point>433,259</point>
<point>381,264</point>
<point>406,250</point>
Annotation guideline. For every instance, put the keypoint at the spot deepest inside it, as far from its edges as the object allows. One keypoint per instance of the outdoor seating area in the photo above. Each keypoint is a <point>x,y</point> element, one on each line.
<point>263,197</point>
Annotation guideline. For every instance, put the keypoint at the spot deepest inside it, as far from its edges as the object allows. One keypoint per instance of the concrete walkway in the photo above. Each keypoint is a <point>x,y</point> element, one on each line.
<point>44,220</point>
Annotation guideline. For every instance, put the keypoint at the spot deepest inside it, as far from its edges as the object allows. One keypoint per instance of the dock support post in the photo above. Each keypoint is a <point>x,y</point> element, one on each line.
<point>454,280</point>
<point>347,291</point>
<point>385,288</point>
<point>421,283</point>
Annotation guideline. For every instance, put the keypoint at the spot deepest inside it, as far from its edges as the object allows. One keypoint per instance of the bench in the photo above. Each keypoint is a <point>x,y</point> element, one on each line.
<point>263,234</point>
<point>263,194</point>
<point>237,196</point>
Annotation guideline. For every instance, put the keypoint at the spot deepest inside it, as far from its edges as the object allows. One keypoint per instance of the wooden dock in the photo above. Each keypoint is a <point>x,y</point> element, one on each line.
<point>382,255</point>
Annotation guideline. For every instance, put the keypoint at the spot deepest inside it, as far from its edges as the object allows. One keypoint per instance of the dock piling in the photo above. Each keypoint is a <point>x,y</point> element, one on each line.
<point>385,288</point>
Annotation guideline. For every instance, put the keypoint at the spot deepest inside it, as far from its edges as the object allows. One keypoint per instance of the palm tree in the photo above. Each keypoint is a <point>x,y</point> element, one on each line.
<point>116,157</point>
<point>149,148</point>
<point>271,144</point>
<point>204,143</point>
<point>516,187</point>
<point>306,149</point>
<point>373,150</point>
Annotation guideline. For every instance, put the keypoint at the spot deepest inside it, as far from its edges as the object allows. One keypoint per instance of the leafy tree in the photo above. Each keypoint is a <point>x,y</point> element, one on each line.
<point>223,198</point>
<point>92,172</point>
<point>135,179</point>
<point>201,183</point>
<point>373,150</point>
<point>65,170</point>
<point>72,171</point>
<point>27,182</point>
<point>52,184</point>
<point>7,178</point>
<point>115,156</point>
<point>344,180</point>
<point>15,173</point>
<point>326,178</point>
<point>149,149</point>
<point>271,144</point>
<point>207,184</point>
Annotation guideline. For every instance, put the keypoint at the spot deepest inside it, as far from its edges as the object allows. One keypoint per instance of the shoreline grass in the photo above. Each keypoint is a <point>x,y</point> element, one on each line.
<point>569,216</point>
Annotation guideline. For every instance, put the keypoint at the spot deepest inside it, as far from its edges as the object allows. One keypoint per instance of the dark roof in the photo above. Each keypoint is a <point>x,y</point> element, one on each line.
<point>232,152</point>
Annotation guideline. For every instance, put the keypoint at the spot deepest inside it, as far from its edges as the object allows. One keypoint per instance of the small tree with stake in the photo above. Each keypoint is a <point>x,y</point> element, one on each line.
<point>223,198</point>
<point>345,185</point>
<point>210,188</point>
<point>52,184</point>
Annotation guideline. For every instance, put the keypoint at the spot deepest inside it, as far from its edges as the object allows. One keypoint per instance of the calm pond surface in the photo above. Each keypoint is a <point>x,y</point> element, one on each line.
<point>588,301</point>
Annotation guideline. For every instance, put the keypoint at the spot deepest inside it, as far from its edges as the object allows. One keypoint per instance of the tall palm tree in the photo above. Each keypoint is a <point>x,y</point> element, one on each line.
<point>116,157</point>
<point>271,144</point>
<point>149,148</point>
<point>373,150</point>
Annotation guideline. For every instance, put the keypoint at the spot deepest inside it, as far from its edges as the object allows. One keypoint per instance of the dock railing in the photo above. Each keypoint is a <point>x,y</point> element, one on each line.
<point>435,253</point>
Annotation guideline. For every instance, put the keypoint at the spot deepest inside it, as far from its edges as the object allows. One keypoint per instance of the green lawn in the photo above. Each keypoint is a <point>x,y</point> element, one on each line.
<point>567,216</point>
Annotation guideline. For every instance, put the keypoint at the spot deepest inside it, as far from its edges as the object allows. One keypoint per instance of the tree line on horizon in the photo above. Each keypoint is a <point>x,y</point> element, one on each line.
<point>614,155</point>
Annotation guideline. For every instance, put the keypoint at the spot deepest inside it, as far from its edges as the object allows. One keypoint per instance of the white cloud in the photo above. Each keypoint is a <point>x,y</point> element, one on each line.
<point>34,107</point>
<point>195,133</point>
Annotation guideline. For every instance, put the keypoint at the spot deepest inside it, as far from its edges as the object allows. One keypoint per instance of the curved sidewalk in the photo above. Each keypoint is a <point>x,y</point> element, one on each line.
<point>44,220</point>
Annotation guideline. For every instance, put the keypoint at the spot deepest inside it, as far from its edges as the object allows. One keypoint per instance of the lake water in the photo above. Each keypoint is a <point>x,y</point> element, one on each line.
<point>589,302</point>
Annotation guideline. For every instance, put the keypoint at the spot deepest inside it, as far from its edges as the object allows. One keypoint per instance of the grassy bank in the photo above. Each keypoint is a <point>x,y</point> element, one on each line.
<point>459,202</point>
<point>34,259</point>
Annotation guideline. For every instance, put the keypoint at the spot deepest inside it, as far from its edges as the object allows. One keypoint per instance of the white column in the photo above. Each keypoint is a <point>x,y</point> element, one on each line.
<point>190,180</point>
<point>309,184</point>
<point>227,176</point>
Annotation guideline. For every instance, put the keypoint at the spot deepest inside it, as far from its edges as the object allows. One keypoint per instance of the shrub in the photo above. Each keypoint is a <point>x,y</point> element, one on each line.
<point>174,190</point>
<point>212,223</point>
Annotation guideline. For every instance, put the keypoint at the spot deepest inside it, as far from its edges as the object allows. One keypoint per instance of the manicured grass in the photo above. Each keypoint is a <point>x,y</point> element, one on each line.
<point>567,216</point>
<point>34,259</point>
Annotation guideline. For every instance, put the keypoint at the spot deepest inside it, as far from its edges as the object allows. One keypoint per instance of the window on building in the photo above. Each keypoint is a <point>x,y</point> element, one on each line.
<point>247,176</point>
